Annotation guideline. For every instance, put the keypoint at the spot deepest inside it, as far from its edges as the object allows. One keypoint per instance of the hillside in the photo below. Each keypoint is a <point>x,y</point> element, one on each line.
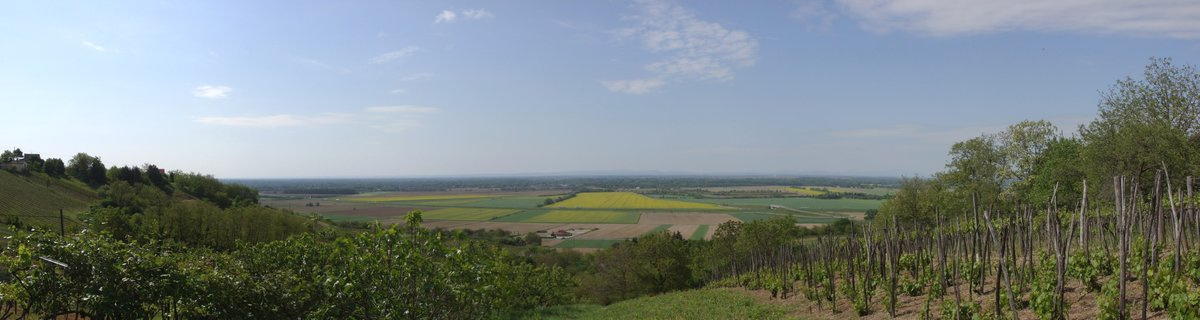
<point>36,196</point>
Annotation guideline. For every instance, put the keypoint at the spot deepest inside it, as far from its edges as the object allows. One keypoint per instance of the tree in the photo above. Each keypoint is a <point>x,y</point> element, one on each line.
<point>97,174</point>
<point>1145,123</point>
<point>1022,144</point>
<point>54,167</point>
<point>80,166</point>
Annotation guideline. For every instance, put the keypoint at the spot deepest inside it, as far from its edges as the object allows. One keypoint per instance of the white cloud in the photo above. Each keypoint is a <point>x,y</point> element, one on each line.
<point>398,91</point>
<point>280,120</point>
<point>395,55</point>
<point>815,13</point>
<point>469,14</point>
<point>382,118</point>
<point>689,48</point>
<point>638,86</point>
<point>401,109</point>
<point>476,14</point>
<point>1152,18</point>
<point>212,92</point>
<point>445,16</point>
<point>94,46</point>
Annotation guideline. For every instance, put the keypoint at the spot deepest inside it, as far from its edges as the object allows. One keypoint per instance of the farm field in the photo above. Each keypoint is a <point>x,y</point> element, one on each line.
<point>627,200</point>
<point>574,216</point>
<point>467,214</point>
<point>395,198</point>
<point>807,204</point>
<point>614,216</point>
<point>701,233</point>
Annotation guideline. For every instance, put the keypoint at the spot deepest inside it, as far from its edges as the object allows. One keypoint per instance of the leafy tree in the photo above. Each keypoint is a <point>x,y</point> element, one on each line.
<point>54,168</point>
<point>654,263</point>
<point>156,177</point>
<point>1145,123</point>
<point>79,167</point>
<point>1022,144</point>
<point>97,174</point>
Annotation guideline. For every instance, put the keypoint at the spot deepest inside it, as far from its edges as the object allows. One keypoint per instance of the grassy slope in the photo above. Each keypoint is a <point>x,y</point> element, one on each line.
<point>40,195</point>
<point>691,304</point>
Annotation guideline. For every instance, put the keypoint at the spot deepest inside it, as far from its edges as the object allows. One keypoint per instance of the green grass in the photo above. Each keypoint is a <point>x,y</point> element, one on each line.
<point>467,214</point>
<point>809,204</point>
<point>41,195</point>
<point>625,200</point>
<point>691,304</point>
<point>587,243</point>
<point>700,232</point>
<point>573,216</point>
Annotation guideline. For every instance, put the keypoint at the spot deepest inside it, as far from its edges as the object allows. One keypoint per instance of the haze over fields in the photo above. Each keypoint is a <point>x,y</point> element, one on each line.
<point>368,89</point>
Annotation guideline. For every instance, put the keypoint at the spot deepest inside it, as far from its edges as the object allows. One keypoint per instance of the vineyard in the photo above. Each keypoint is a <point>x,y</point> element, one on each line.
<point>1137,257</point>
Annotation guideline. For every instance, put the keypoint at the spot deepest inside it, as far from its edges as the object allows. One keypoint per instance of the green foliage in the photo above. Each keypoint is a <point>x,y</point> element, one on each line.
<point>1089,270</point>
<point>959,311</point>
<point>1144,123</point>
<point>1043,295</point>
<point>208,188</point>
<point>1109,302</point>
<point>54,167</point>
<point>379,274</point>
<point>143,212</point>
<point>655,263</point>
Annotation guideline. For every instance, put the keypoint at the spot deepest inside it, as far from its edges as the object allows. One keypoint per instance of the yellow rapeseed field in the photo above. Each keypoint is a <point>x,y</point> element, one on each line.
<point>626,200</point>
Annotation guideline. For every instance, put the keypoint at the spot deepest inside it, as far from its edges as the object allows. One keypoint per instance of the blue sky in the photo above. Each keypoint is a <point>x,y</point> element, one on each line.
<point>245,89</point>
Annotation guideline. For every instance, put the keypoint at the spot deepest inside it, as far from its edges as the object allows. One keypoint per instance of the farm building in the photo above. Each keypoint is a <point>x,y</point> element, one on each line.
<point>14,165</point>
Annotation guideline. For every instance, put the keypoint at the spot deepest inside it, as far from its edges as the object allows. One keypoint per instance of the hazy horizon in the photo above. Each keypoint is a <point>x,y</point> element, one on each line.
<point>281,89</point>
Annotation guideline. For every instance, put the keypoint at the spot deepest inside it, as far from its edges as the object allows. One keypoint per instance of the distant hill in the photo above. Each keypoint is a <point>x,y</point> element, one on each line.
<point>33,197</point>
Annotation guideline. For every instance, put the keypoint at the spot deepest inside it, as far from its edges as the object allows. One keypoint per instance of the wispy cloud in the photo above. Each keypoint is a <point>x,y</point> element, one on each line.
<point>395,55</point>
<point>469,14</point>
<point>279,120</point>
<point>94,46</point>
<point>814,13</point>
<point>638,86</point>
<point>401,109</point>
<point>689,48</point>
<point>212,92</point>
<point>1152,18</point>
<point>445,16</point>
<point>383,118</point>
<point>476,14</point>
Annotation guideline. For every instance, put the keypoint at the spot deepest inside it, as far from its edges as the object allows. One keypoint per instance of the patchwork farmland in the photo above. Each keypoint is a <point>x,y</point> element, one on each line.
<point>599,218</point>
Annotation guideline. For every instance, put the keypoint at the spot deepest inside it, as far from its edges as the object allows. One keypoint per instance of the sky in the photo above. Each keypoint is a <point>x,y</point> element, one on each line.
<point>275,89</point>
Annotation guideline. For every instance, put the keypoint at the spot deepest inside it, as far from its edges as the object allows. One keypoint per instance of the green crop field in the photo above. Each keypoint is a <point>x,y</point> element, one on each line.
<point>573,216</point>
<point>807,204</point>
<point>626,200</point>
<point>467,214</point>
<point>508,202</point>
<point>700,232</point>
<point>587,243</point>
